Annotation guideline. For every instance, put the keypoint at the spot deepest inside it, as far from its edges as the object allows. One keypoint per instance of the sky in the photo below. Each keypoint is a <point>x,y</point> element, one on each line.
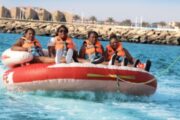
<point>147,10</point>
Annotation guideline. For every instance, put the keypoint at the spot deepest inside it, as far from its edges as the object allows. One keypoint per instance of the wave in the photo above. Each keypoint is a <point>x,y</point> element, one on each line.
<point>91,96</point>
<point>2,70</point>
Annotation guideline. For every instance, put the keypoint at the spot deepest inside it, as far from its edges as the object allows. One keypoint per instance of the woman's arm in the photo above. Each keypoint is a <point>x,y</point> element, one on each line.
<point>128,55</point>
<point>18,46</point>
<point>106,55</point>
<point>51,51</point>
<point>82,52</point>
<point>51,47</point>
<point>102,50</point>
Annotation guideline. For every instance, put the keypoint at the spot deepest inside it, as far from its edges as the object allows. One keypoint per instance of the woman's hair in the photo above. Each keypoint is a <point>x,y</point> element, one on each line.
<point>30,29</point>
<point>112,36</point>
<point>92,32</point>
<point>64,27</point>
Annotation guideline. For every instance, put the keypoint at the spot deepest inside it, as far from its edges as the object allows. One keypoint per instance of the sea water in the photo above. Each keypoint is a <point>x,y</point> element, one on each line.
<point>61,105</point>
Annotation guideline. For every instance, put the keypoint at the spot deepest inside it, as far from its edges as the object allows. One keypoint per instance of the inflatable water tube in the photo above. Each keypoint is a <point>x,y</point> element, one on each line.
<point>74,76</point>
<point>11,58</point>
<point>80,76</point>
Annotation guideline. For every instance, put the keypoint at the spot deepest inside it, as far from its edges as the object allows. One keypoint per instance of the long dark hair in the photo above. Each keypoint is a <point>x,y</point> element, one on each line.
<point>30,29</point>
<point>92,32</point>
<point>62,26</point>
<point>113,36</point>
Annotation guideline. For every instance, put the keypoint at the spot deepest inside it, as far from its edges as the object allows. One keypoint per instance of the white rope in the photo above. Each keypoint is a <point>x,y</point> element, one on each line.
<point>171,65</point>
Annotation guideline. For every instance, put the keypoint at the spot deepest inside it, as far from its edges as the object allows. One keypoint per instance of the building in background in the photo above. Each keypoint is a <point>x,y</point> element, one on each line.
<point>58,16</point>
<point>4,12</point>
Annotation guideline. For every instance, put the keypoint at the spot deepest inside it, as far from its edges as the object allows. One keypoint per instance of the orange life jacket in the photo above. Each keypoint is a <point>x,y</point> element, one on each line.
<point>60,44</point>
<point>91,49</point>
<point>111,51</point>
<point>30,43</point>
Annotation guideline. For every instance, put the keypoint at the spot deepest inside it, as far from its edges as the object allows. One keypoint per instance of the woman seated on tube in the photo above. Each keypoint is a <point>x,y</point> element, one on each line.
<point>62,47</point>
<point>92,49</point>
<point>115,52</point>
<point>29,43</point>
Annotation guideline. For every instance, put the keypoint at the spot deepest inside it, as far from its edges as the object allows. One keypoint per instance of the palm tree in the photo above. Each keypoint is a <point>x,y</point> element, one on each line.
<point>93,19</point>
<point>145,24</point>
<point>154,25</point>
<point>110,20</point>
<point>159,24</point>
<point>126,22</point>
<point>76,17</point>
<point>162,23</point>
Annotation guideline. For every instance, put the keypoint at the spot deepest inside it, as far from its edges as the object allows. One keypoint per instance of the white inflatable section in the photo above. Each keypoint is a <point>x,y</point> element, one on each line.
<point>11,58</point>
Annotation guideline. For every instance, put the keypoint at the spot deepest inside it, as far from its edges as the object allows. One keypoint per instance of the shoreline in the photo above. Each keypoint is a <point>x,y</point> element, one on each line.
<point>79,30</point>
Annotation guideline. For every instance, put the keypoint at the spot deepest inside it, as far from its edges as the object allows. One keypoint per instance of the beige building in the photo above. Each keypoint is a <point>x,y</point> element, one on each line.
<point>58,16</point>
<point>24,13</point>
<point>31,14</point>
<point>15,12</point>
<point>4,12</point>
<point>43,14</point>
<point>69,17</point>
<point>35,13</point>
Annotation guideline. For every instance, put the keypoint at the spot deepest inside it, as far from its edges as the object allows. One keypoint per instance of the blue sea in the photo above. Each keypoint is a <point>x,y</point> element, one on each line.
<point>61,105</point>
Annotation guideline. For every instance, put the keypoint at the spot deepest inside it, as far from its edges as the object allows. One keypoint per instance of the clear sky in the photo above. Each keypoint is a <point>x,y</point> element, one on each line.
<point>149,10</point>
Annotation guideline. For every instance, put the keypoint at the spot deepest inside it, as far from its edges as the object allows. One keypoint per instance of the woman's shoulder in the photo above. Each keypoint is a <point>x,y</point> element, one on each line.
<point>21,40</point>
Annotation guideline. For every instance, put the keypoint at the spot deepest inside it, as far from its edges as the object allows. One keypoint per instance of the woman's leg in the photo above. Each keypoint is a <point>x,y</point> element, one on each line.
<point>128,56</point>
<point>42,59</point>
<point>51,51</point>
<point>59,54</point>
<point>69,56</point>
<point>92,57</point>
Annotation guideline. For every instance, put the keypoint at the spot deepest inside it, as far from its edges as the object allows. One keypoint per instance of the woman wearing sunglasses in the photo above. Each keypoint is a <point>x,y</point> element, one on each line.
<point>64,46</point>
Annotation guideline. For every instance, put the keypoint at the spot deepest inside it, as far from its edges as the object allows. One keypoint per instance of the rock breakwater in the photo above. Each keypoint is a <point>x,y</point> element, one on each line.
<point>79,30</point>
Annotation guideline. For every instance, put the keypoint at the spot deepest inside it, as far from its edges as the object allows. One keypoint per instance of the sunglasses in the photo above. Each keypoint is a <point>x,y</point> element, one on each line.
<point>62,31</point>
